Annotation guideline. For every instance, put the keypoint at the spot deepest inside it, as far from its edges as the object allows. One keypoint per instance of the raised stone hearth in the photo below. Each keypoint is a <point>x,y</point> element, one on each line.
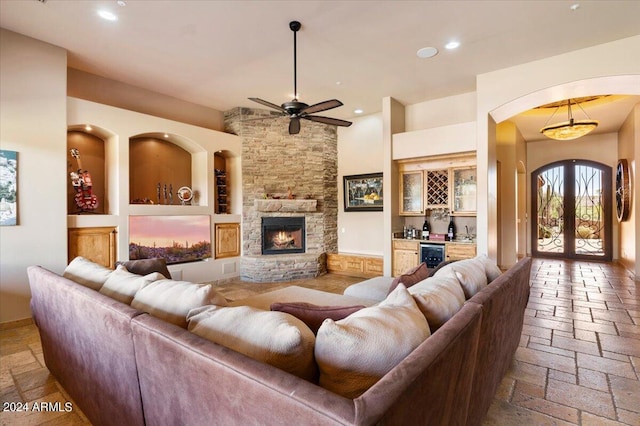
<point>274,162</point>
<point>286,267</point>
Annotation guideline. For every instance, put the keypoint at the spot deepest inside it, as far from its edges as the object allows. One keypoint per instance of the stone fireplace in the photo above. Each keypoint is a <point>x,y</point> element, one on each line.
<point>283,235</point>
<point>276,165</point>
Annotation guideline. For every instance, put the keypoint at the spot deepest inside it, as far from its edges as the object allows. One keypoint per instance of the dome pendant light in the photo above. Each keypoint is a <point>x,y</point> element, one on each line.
<point>568,130</point>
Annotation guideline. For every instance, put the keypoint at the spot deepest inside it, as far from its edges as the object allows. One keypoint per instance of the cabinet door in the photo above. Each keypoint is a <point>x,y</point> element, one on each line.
<point>463,193</point>
<point>227,240</point>
<point>460,251</point>
<point>411,188</point>
<point>96,244</point>
<point>403,261</point>
<point>436,184</point>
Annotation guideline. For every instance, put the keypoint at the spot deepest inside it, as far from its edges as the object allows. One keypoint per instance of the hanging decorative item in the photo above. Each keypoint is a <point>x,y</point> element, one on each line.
<point>571,129</point>
<point>623,190</point>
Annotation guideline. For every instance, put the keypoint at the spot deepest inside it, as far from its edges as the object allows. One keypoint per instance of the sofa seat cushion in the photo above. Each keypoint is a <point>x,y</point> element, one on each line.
<point>87,273</point>
<point>146,266</point>
<point>374,289</point>
<point>123,285</point>
<point>411,278</point>
<point>439,298</point>
<point>313,315</point>
<point>354,353</point>
<point>470,274</point>
<point>172,300</point>
<point>275,338</point>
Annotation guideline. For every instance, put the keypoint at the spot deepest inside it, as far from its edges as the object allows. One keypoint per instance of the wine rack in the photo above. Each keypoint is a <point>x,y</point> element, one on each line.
<point>437,189</point>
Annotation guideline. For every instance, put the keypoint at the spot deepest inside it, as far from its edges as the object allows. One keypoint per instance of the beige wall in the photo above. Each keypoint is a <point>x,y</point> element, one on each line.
<point>359,152</point>
<point>629,148</point>
<point>110,92</point>
<point>33,94</point>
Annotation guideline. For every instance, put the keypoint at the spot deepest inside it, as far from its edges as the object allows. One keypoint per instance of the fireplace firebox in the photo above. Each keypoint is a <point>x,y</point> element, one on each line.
<point>283,235</point>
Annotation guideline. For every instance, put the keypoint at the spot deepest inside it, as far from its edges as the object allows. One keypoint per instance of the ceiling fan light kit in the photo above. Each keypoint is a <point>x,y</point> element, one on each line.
<point>297,110</point>
<point>571,129</point>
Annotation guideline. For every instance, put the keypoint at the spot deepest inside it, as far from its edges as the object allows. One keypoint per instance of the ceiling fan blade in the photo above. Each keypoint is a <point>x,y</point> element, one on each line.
<point>322,106</point>
<point>294,126</point>
<point>268,104</point>
<point>328,120</point>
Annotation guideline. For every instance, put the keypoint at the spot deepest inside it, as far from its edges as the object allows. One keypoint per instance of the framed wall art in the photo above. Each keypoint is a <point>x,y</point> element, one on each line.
<point>8,188</point>
<point>363,193</point>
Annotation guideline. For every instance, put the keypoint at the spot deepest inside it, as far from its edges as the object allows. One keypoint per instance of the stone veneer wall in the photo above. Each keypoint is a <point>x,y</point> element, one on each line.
<point>272,162</point>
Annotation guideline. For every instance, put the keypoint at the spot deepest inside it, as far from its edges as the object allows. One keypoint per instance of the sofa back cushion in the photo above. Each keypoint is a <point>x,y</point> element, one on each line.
<point>313,315</point>
<point>356,352</point>
<point>490,268</point>
<point>470,273</point>
<point>123,285</point>
<point>275,338</point>
<point>439,298</point>
<point>88,273</point>
<point>172,300</point>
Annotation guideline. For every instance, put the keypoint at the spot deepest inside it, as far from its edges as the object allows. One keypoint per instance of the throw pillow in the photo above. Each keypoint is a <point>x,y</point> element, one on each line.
<point>470,274</point>
<point>146,266</point>
<point>313,315</point>
<point>439,298</point>
<point>88,273</point>
<point>410,278</point>
<point>275,338</point>
<point>354,353</point>
<point>123,285</point>
<point>171,300</point>
<point>490,268</point>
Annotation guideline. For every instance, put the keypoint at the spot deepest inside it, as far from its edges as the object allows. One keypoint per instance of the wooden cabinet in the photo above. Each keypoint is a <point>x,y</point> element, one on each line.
<point>96,244</point>
<point>355,265</point>
<point>227,240</point>
<point>458,251</point>
<point>411,188</point>
<point>463,191</point>
<point>405,256</point>
<point>436,183</point>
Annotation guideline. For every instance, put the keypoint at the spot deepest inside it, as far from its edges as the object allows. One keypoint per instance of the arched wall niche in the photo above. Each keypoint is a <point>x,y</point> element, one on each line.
<point>96,147</point>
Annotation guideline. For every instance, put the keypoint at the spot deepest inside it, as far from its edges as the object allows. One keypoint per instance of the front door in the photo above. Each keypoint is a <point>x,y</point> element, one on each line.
<point>573,205</point>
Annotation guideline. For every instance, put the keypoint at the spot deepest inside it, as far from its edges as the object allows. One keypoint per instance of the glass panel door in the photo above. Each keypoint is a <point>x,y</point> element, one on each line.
<point>572,199</point>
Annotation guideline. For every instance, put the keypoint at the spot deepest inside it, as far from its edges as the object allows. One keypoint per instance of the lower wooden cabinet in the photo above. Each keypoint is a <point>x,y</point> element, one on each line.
<point>227,240</point>
<point>455,251</point>
<point>355,265</point>
<point>405,256</point>
<point>97,244</point>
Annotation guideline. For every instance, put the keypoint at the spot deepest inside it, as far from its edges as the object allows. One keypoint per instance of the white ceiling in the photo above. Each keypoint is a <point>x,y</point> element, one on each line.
<point>219,53</point>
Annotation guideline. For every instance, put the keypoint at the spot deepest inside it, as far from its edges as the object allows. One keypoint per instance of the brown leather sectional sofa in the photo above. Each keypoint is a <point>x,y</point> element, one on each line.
<point>123,366</point>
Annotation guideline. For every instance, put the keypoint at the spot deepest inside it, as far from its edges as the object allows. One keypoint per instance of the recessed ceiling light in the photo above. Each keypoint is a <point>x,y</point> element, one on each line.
<point>166,135</point>
<point>427,52</point>
<point>122,3</point>
<point>88,128</point>
<point>338,83</point>
<point>358,111</point>
<point>574,6</point>
<point>452,45</point>
<point>105,14</point>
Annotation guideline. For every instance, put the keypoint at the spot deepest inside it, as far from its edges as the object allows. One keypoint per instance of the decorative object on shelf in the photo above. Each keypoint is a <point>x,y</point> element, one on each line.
<point>158,191</point>
<point>170,194</point>
<point>623,190</point>
<point>571,129</point>
<point>295,109</point>
<point>185,194</point>
<point>8,188</point>
<point>166,196</point>
<point>363,192</point>
<point>81,181</point>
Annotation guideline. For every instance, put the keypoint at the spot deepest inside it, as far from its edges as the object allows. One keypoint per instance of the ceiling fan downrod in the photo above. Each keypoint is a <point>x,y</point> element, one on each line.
<point>295,26</point>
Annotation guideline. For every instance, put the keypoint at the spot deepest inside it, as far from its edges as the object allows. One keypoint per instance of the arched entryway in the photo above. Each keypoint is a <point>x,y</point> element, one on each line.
<point>571,202</point>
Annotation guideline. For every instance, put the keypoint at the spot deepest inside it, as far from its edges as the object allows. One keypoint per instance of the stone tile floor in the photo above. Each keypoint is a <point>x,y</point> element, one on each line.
<point>578,360</point>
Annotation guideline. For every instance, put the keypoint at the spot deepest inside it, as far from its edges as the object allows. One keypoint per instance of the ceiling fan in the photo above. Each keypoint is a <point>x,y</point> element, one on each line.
<point>297,110</point>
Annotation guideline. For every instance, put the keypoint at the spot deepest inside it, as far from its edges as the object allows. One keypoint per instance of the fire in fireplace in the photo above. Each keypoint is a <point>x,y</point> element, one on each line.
<point>282,235</point>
